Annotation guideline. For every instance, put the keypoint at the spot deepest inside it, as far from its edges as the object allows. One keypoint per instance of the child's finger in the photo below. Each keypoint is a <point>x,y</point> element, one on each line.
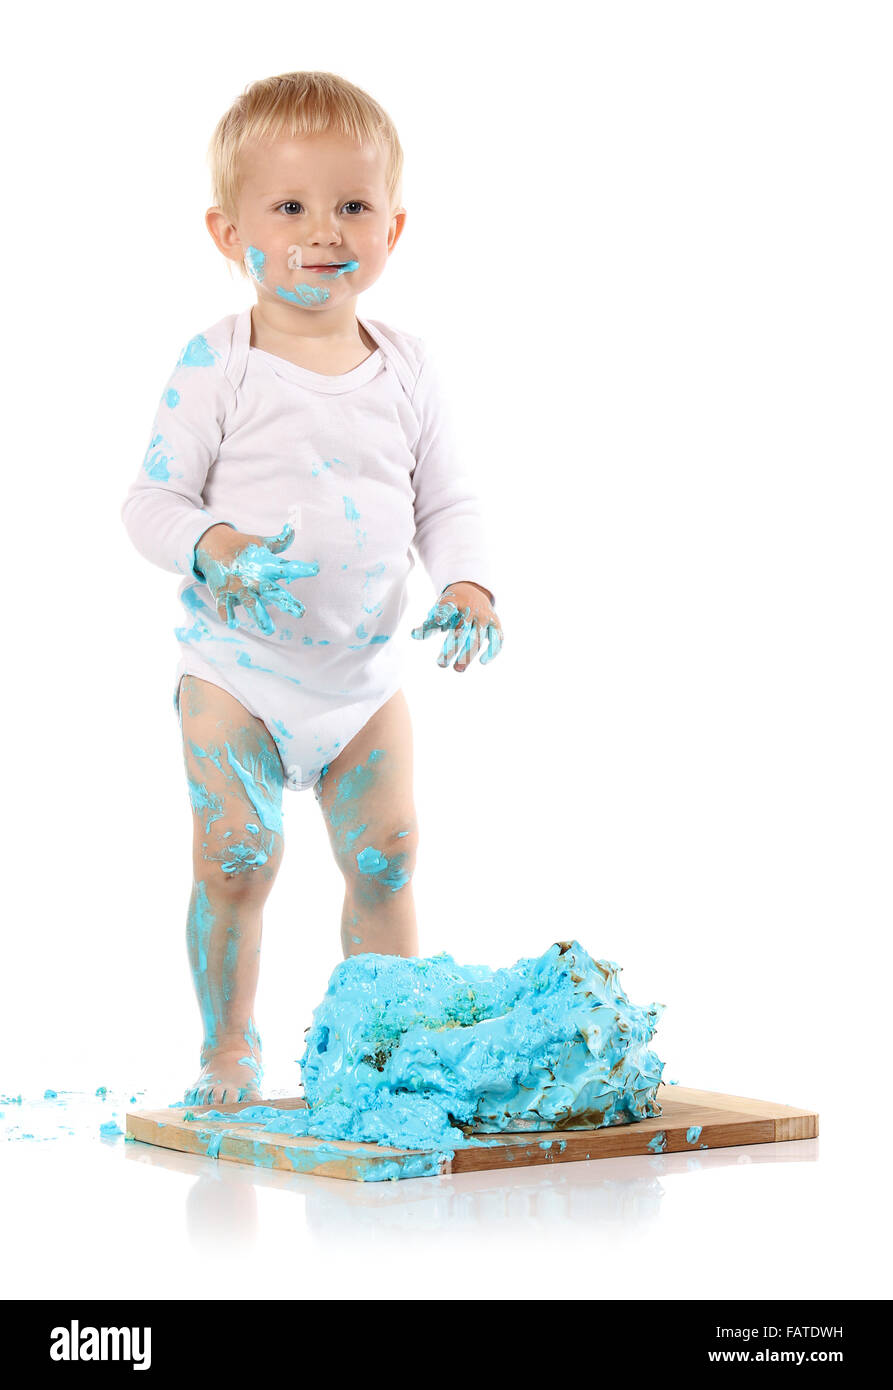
<point>455,640</point>
<point>285,601</point>
<point>253,605</point>
<point>289,570</point>
<point>442,615</point>
<point>229,604</point>
<point>494,645</point>
<point>280,542</point>
<point>470,648</point>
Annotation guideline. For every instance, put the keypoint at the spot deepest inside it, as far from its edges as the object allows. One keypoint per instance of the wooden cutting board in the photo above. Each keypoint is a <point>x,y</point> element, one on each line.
<point>722,1120</point>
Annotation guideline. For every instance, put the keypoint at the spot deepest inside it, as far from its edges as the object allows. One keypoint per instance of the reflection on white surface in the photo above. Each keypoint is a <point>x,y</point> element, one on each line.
<point>98,1218</point>
<point>221,1208</point>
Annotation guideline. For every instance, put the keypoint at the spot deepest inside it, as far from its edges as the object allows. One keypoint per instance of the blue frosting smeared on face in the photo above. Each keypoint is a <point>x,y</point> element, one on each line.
<point>405,1052</point>
<point>255,261</point>
<point>303,294</point>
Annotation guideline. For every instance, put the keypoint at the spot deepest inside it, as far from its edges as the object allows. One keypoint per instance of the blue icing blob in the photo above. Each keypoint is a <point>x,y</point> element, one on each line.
<point>200,924</point>
<point>370,861</point>
<point>255,261</point>
<point>260,776</point>
<point>241,856</point>
<point>390,872</point>
<point>204,800</point>
<point>303,294</point>
<point>198,353</point>
<point>159,457</point>
<point>406,1051</point>
<point>172,397</point>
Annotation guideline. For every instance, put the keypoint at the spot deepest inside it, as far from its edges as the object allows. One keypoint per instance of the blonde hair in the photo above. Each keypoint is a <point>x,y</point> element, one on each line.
<point>299,104</point>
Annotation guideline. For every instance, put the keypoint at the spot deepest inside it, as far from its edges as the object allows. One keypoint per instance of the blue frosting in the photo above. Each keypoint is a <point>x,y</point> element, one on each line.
<point>198,353</point>
<point>303,294</point>
<point>159,457</point>
<point>254,575</point>
<point>423,1053</point>
<point>255,260</point>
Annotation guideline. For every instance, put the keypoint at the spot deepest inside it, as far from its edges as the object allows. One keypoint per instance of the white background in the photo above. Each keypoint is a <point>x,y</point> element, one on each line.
<point>651,246</point>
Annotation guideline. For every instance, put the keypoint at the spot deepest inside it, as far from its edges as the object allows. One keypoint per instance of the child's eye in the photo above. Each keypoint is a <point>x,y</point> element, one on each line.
<point>291,207</point>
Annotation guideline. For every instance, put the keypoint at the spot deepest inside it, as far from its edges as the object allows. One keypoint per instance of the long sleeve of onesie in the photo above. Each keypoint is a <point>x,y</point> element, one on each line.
<point>164,511</point>
<point>449,537</point>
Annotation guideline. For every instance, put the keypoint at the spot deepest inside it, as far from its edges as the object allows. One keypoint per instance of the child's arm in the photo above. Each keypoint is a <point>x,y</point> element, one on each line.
<point>450,537</point>
<point>163,512</point>
<point>165,515</point>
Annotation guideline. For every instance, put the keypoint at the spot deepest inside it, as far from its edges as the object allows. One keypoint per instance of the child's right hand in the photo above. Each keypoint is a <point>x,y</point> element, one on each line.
<point>241,568</point>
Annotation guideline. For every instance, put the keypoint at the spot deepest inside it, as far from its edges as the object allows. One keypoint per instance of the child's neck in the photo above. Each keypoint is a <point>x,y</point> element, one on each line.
<point>309,339</point>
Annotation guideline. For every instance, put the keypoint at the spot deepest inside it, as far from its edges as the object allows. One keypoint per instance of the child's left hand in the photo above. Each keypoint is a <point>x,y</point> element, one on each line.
<point>464,611</point>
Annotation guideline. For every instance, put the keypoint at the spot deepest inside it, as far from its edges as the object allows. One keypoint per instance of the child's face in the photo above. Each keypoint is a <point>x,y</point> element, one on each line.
<point>308,202</point>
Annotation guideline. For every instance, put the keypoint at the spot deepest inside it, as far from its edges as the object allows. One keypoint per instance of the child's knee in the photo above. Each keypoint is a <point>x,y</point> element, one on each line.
<point>377,865</point>
<point>239,860</point>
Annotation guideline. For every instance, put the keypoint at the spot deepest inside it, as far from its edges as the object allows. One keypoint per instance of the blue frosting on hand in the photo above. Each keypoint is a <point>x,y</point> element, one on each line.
<point>253,577</point>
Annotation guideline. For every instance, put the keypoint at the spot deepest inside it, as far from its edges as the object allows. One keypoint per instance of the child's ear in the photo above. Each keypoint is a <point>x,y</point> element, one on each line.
<point>398,222</point>
<point>224,234</point>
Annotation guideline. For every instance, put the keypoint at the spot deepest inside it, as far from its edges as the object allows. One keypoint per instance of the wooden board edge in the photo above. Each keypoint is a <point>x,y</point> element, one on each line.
<point>803,1126</point>
<point>369,1164</point>
<point>719,1100</point>
<point>744,1122</point>
<point>617,1141</point>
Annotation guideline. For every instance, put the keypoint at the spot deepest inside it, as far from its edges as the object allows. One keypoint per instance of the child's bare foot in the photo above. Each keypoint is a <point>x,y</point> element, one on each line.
<point>229,1073</point>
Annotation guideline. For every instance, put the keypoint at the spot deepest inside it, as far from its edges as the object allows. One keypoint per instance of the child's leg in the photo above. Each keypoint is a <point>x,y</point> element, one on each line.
<point>235,787</point>
<point>367,803</point>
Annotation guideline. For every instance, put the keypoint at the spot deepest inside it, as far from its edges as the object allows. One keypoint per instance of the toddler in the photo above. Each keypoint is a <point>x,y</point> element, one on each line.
<point>297,453</point>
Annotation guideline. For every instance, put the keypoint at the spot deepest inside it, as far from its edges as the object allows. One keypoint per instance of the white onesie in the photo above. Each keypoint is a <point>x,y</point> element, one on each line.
<point>363,466</point>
